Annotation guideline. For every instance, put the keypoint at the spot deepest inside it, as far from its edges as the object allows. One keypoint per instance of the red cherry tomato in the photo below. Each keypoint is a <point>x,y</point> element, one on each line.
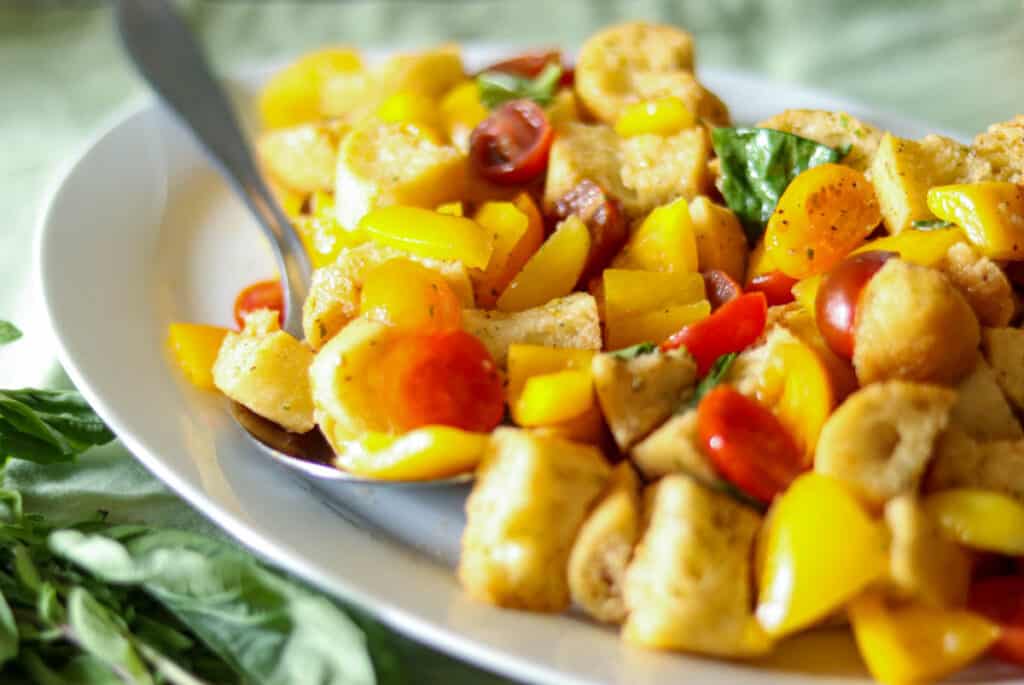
<point>748,445</point>
<point>601,213</point>
<point>530,64</point>
<point>261,295</point>
<point>720,288</point>
<point>776,286</point>
<point>733,327</point>
<point>1001,600</point>
<point>839,296</point>
<point>511,146</point>
<point>443,378</point>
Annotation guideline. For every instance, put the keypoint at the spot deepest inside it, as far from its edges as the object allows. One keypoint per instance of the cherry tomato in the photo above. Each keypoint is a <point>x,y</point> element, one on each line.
<point>260,295</point>
<point>748,445</point>
<point>603,218</point>
<point>511,146</point>
<point>776,286</point>
<point>445,378</point>
<point>1015,272</point>
<point>734,326</point>
<point>720,288</point>
<point>527,65</point>
<point>839,296</point>
<point>1001,599</point>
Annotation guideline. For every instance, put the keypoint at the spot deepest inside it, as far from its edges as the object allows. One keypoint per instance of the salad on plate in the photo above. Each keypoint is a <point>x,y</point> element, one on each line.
<point>719,384</point>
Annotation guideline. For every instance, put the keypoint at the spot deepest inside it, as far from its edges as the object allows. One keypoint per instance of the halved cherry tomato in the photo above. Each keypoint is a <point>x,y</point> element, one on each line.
<point>530,64</point>
<point>748,445</point>
<point>839,296</point>
<point>260,295</point>
<point>776,286</point>
<point>445,378</point>
<point>719,288</point>
<point>734,326</point>
<point>601,214</point>
<point>511,146</point>
<point>1001,599</point>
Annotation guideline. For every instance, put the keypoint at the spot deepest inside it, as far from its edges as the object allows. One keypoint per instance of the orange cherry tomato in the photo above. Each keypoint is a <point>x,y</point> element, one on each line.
<point>442,378</point>
<point>733,327</point>
<point>603,218</point>
<point>748,445</point>
<point>260,295</point>
<point>1001,599</point>
<point>720,288</point>
<point>776,286</point>
<point>839,296</point>
<point>511,146</point>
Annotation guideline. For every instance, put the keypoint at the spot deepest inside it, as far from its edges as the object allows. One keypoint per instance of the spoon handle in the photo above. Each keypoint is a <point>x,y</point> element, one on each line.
<point>168,57</point>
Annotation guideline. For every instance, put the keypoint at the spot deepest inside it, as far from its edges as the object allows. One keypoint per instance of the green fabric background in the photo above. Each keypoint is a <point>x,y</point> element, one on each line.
<point>957,63</point>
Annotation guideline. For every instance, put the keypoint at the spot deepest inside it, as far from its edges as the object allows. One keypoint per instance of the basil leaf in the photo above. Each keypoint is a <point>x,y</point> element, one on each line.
<point>8,632</point>
<point>269,630</point>
<point>48,426</point>
<point>716,374</point>
<point>498,87</point>
<point>757,165</point>
<point>97,632</point>
<point>634,351</point>
<point>8,332</point>
<point>932,225</point>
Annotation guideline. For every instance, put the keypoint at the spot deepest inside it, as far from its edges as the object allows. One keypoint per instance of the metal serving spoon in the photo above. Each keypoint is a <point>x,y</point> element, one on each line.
<point>167,56</point>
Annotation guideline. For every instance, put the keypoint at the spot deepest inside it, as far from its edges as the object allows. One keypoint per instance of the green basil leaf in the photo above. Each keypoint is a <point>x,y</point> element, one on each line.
<point>48,426</point>
<point>498,87</point>
<point>96,631</point>
<point>716,374</point>
<point>757,165</point>
<point>9,636</point>
<point>634,351</point>
<point>270,630</point>
<point>932,225</point>
<point>8,332</point>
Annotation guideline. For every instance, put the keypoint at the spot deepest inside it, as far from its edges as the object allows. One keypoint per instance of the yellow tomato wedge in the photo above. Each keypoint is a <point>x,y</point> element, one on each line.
<point>915,644</point>
<point>407,294</point>
<point>518,231</point>
<point>408,107</point>
<point>462,111</point>
<point>551,398</point>
<point>195,348</point>
<point>654,326</point>
<point>663,116</point>
<point>981,519</point>
<point>552,271</point>
<point>759,262</point>
<point>293,94</point>
<point>665,241</point>
<point>427,233</point>
<point>321,234</point>
<point>991,213</point>
<point>630,291</point>
<point>526,361</point>
<point>422,454</point>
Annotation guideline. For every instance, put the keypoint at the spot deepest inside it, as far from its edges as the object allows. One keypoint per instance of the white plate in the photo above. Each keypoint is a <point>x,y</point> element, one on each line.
<point>141,232</point>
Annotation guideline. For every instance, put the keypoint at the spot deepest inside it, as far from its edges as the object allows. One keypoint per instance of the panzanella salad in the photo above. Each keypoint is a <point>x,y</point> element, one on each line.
<point>719,383</point>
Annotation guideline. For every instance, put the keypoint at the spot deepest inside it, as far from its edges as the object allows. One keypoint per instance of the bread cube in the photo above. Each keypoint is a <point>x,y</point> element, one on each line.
<point>721,242</point>
<point>835,129</point>
<point>302,158</point>
<point>998,153</point>
<point>982,283</point>
<point>981,409</point>
<point>688,586</point>
<point>267,371</point>
<point>1004,349</point>
<point>962,462</point>
<point>903,171</point>
<point>674,447</point>
<point>604,546</point>
<point>531,496</point>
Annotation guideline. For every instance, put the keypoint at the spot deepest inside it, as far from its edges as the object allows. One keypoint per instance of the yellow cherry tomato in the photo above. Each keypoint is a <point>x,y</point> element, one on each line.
<point>427,233</point>
<point>663,116</point>
<point>552,271</point>
<point>195,347</point>
<point>991,213</point>
<point>665,241</point>
<point>293,95</point>
<point>421,454</point>
<point>551,398</point>
<point>407,294</point>
<point>981,519</point>
<point>518,231</point>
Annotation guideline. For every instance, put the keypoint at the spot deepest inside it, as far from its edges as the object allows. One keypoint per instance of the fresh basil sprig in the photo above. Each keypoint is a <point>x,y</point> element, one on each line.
<point>8,332</point>
<point>498,87</point>
<point>634,351</point>
<point>757,166</point>
<point>716,374</point>
<point>48,426</point>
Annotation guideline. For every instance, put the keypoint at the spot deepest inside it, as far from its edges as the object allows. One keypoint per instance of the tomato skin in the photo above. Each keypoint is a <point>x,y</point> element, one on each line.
<point>260,295</point>
<point>1001,599</point>
<point>748,445</point>
<point>776,286</point>
<point>720,288</point>
<point>733,327</point>
<point>511,146</point>
<point>530,64</point>
<point>603,218</point>
<point>839,298</point>
<point>443,378</point>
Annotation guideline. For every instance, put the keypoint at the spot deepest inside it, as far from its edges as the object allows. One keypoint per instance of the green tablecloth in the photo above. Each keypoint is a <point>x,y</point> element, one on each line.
<point>957,63</point>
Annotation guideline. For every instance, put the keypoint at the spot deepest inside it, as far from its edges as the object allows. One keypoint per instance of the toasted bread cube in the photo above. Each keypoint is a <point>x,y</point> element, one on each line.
<point>637,395</point>
<point>267,371</point>
<point>688,586</point>
<point>878,442</point>
<point>302,158</point>
<point>531,496</point>
<point>334,293</point>
<point>982,283</point>
<point>1004,349</point>
<point>998,153</point>
<point>904,170</point>
<point>835,129</point>
<point>604,547</point>
<point>567,322</point>
<point>642,172</point>
<point>674,447</point>
<point>431,72</point>
<point>383,164</point>
<point>981,409</point>
<point>912,324</point>
<point>721,243</point>
<point>924,564</point>
<point>962,462</point>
